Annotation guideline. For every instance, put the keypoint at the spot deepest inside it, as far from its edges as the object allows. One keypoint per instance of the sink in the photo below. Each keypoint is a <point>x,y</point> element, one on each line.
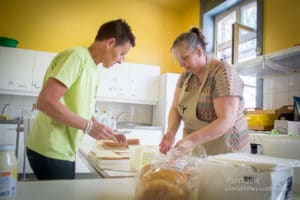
<point>133,125</point>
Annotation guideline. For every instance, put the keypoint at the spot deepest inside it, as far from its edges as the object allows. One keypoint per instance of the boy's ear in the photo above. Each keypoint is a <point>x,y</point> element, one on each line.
<point>111,42</point>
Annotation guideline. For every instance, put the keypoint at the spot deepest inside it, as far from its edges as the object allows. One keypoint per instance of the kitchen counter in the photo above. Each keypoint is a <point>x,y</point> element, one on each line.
<point>129,125</point>
<point>92,189</point>
<point>11,121</point>
<point>86,189</point>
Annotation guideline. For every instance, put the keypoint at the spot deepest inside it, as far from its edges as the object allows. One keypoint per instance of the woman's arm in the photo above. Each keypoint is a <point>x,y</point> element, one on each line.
<point>173,124</point>
<point>226,110</point>
<point>174,117</point>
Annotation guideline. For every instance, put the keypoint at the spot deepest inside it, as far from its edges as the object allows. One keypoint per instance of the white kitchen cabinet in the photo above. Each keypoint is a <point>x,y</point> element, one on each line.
<point>16,67</point>
<point>114,81</point>
<point>41,63</point>
<point>129,82</point>
<point>146,136</point>
<point>22,71</point>
<point>144,82</point>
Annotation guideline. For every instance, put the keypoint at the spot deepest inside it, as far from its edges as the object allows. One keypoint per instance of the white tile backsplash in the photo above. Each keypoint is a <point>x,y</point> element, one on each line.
<point>280,90</point>
<point>294,82</point>
<point>281,84</point>
<point>18,105</point>
<point>268,100</point>
<point>137,113</point>
<point>268,85</point>
<point>280,99</point>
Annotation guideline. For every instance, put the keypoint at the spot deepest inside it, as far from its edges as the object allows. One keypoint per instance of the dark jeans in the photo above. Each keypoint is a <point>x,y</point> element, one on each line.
<point>46,168</point>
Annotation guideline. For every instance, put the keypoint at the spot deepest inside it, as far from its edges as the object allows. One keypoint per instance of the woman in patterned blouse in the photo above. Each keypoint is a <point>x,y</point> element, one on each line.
<point>208,98</point>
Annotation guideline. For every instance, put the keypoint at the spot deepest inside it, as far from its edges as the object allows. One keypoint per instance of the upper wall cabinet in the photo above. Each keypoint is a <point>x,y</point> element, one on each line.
<point>129,83</point>
<point>22,70</point>
<point>282,62</point>
<point>114,82</point>
<point>16,69</point>
<point>41,63</point>
<point>144,82</point>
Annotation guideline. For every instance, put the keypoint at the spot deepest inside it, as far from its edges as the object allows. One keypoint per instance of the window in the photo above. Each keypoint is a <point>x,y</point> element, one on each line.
<point>235,31</point>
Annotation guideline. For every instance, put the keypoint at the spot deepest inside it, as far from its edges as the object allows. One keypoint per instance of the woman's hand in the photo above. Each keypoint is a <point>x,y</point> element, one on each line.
<point>186,144</point>
<point>167,142</point>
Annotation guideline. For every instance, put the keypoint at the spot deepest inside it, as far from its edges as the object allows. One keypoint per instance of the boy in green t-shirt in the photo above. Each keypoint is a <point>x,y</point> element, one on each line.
<point>67,100</point>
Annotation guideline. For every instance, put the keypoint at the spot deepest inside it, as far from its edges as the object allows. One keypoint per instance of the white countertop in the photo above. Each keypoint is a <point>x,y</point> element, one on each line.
<point>84,189</point>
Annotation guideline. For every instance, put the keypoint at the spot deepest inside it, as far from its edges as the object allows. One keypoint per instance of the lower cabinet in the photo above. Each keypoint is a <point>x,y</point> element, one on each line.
<point>81,165</point>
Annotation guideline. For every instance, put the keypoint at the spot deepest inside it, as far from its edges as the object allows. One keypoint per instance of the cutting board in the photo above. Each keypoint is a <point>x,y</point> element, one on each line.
<point>110,154</point>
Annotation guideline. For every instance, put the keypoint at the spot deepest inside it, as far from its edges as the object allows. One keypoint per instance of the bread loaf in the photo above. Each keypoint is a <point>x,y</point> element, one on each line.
<point>111,143</point>
<point>161,184</point>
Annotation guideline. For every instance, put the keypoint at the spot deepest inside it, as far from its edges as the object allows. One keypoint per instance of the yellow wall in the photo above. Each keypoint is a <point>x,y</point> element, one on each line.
<point>281,24</point>
<point>53,25</point>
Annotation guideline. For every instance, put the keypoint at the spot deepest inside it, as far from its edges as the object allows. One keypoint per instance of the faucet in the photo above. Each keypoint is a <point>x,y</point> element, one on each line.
<point>3,109</point>
<point>119,115</point>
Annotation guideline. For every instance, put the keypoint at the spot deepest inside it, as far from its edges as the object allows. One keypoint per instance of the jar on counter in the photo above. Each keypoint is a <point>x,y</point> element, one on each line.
<point>8,172</point>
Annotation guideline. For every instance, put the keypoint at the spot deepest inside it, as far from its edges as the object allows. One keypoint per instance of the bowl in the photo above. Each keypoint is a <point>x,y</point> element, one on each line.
<point>8,42</point>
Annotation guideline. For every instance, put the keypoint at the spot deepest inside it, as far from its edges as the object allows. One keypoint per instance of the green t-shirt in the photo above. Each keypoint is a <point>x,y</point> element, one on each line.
<point>76,69</point>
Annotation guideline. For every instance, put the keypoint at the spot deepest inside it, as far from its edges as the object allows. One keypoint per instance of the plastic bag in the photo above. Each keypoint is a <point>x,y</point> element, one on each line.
<point>168,177</point>
<point>238,176</point>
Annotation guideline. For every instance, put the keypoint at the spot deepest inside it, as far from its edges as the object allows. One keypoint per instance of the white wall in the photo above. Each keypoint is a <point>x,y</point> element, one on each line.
<point>279,90</point>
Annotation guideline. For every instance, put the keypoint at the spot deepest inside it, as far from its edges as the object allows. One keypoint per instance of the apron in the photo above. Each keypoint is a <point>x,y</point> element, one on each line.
<point>187,107</point>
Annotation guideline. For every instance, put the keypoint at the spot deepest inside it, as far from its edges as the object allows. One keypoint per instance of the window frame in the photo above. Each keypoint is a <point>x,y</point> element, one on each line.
<point>236,27</point>
<point>233,43</point>
<point>208,11</point>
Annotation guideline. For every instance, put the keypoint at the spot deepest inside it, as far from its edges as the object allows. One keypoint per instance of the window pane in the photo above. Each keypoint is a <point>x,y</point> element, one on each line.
<point>224,28</point>
<point>250,97</point>
<point>249,15</point>
<point>224,54</point>
<point>247,50</point>
<point>249,91</point>
<point>249,80</point>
